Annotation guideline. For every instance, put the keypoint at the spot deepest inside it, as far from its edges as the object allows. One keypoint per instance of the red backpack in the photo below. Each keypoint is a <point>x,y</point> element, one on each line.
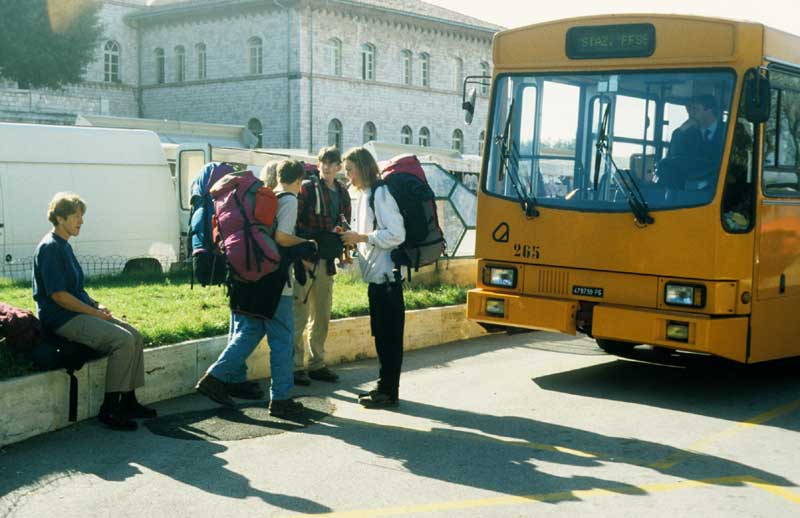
<point>20,328</point>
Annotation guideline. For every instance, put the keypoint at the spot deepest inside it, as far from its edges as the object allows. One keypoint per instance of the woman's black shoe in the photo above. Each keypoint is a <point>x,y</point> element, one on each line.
<point>116,420</point>
<point>138,411</point>
<point>379,400</point>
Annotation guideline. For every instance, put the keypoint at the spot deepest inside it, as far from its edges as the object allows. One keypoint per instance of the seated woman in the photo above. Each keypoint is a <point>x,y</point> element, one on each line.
<point>66,309</point>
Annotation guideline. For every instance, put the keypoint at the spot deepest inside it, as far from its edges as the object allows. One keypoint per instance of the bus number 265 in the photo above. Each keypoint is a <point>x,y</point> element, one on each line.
<point>526,251</point>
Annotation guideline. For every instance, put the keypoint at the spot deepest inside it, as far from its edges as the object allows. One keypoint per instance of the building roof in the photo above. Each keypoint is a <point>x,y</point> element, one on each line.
<point>414,8</point>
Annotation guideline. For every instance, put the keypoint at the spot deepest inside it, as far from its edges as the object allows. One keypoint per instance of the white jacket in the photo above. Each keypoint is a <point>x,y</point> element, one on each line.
<point>374,256</point>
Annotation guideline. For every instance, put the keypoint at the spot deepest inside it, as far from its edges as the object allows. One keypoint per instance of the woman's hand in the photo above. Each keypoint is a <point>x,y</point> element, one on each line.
<point>103,312</point>
<point>351,238</point>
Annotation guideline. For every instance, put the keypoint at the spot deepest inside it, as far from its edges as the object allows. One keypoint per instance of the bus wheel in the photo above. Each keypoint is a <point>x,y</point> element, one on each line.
<point>614,346</point>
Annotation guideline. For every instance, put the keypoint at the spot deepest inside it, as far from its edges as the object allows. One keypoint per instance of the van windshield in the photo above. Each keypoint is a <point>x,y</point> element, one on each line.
<point>663,130</point>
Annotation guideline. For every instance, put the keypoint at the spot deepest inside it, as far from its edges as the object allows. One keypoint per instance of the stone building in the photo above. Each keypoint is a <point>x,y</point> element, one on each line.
<point>298,73</point>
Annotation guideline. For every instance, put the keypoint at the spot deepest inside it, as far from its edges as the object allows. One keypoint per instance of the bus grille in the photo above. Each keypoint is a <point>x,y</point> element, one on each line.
<point>553,282</point>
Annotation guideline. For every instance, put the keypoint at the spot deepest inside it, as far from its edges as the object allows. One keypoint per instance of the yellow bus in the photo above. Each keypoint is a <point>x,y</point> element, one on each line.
<point>640,184</point>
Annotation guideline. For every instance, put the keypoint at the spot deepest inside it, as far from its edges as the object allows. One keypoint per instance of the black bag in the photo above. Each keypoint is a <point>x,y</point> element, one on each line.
<point>329,244</point>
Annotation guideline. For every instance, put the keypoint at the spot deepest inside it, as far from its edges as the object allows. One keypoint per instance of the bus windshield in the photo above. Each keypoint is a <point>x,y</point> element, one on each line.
<point>661,138</point>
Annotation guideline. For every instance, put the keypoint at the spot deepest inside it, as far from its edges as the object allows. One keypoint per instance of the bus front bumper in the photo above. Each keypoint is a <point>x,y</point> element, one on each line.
<point>721,336</point>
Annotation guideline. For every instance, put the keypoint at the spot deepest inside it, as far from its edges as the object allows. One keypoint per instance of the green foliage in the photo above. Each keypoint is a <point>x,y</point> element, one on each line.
<point>166,311</point>
<point>48,43</point>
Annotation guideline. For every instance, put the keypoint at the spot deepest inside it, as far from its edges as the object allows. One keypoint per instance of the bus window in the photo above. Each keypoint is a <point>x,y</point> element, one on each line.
<point>738,197</point>
<point>782,138</point>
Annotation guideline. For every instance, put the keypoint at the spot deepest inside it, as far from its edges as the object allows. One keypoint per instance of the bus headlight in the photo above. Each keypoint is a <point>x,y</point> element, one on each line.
<point>689,295</point>
<point>500,277</point>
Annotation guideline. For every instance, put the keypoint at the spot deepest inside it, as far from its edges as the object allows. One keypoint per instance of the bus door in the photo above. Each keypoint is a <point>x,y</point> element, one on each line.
<point>189,162</point>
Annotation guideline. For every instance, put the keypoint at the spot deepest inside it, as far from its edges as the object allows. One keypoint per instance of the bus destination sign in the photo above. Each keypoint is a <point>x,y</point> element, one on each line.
<point>611,41</point>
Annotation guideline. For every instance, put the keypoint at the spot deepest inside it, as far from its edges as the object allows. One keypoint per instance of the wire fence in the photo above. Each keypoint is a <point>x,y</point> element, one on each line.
<point>95,266</point>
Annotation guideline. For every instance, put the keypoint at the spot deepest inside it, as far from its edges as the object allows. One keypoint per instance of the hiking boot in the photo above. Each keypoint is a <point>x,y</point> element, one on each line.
<point>116,420</point>
<point>137,410</point>
<point>323,374</point>
<point>245,390</point>
<point>215,390</point>
<point>301,378</point>
<point>379,400</point>
<point>285,407</point>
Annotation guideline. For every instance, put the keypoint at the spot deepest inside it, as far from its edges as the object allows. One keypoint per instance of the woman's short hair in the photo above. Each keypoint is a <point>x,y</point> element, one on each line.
<point>269,174</point>
<point>365,164</point>
<point>289,171</point>
<point>63,205</point>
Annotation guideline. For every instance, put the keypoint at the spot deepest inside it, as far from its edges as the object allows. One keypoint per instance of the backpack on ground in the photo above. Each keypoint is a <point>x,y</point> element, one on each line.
<point>208,263</point>
<point>425,243</point>
<point>20,328</point>
<point>244,214</point>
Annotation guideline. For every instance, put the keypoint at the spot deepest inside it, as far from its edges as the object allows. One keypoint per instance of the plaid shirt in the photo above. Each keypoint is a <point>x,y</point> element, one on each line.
<point>313,211</point>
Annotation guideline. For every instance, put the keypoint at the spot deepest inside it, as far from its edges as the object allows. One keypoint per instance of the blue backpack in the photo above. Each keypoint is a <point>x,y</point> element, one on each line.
<point>209,266</point>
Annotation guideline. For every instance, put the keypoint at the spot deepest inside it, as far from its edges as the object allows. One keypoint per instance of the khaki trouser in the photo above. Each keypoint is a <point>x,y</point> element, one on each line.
<point>318,308</point>
<point>118,339</point>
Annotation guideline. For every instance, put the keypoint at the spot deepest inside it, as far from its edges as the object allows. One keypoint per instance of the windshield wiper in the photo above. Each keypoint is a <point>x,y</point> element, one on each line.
<point>509,160</point>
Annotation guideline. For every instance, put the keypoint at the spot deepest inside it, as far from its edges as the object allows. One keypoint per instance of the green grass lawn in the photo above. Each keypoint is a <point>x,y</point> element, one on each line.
<point>166,311</point>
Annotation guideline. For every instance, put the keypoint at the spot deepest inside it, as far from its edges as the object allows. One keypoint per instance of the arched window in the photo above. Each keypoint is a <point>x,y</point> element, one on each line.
<point>424,137</point>
<point>370,133</point>
<point>161,66</point>
<point>481,139</point>
<point>335,133</point>
<point>200,50</point>
<point>368,62</point>
<point>111,62</point>
<point>180,64</point>
<point>458,141</point>
<point>256,48</point>
<point>485,72</point>
<point>425,68</point>
<point>458,73</point>
<point>406,135</point>
<point>335,56</point>
<point>405,62</point>
<point>255,127</point>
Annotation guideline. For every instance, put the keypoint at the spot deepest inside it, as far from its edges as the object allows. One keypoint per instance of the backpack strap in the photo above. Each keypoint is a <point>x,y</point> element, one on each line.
<point>73,396</point>
<point>375,186</point>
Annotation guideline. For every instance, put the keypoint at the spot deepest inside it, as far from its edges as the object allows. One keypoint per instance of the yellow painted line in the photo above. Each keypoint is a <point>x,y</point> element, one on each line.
<point>706,442</point>
<point>580,494</point>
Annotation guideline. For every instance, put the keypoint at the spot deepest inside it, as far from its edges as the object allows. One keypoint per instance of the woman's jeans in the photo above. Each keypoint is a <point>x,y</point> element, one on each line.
<point>244,336</point>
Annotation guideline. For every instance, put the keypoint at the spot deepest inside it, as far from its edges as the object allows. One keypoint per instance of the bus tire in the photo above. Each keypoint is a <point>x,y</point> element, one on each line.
<point>145,265</point>
<point>615,347</point>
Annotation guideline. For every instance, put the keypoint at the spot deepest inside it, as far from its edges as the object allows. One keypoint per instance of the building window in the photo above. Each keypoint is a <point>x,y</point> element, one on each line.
<point>161,66</point>
<point>425,68</point>
<point>458,73</point>
<point>405,62</point>
<point>368,62</point>
<point>200,49</point>
<point>370,133</point>
<point>180,64</point>
<point>335,56</point>
<point>485,72</point>
<point>481,139</point>
<point>256,55</point>
<point>458,141</point>
<point>255,127</point>
<point>111,62</point>
<point>424,137</point>
<point>335,133</point>
<point>406,135</point>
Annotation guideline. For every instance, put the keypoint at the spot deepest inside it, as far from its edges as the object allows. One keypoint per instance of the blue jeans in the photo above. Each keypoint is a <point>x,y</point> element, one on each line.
<point>244,336</point>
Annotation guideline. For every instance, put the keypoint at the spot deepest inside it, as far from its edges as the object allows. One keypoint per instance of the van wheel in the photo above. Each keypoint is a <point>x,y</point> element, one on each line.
<point>615,346</point>
<point>147,266</point>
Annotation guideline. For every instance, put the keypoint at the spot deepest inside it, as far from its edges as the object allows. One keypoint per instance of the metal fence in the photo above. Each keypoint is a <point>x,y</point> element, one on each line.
<point>93,266</point>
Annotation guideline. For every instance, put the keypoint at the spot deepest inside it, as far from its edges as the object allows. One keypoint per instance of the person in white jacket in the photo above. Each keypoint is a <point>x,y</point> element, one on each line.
<point>376,233</point>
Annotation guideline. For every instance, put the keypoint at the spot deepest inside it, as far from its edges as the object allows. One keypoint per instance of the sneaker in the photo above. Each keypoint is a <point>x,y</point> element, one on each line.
<point>324,374</point>
<point>245,390</point>
<point>367,395</point>
<point>285,407</point>
<point>301,378</point>
<point>215,390</point>
<point>116,420</point>
<point>379,400</point>
<point>137,410</point>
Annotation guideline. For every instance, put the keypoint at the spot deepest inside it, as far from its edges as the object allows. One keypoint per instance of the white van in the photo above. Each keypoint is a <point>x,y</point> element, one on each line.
<point>122,175</point>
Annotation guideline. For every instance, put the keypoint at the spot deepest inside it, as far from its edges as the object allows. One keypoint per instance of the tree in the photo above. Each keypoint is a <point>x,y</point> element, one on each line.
<point>48,43</point>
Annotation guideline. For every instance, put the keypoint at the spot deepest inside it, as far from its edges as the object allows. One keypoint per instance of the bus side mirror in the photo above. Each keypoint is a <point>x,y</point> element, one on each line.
<point>758,96</point>
<point>468,106</point>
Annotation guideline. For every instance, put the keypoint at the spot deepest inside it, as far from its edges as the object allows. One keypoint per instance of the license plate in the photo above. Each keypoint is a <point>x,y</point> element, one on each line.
<point>587,291</point>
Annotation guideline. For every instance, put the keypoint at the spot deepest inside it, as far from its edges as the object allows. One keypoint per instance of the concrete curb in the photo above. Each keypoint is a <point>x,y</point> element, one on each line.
<point>36,404</point>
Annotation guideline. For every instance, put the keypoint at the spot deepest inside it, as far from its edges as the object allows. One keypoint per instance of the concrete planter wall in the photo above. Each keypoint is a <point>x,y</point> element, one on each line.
<point>35,404</point>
